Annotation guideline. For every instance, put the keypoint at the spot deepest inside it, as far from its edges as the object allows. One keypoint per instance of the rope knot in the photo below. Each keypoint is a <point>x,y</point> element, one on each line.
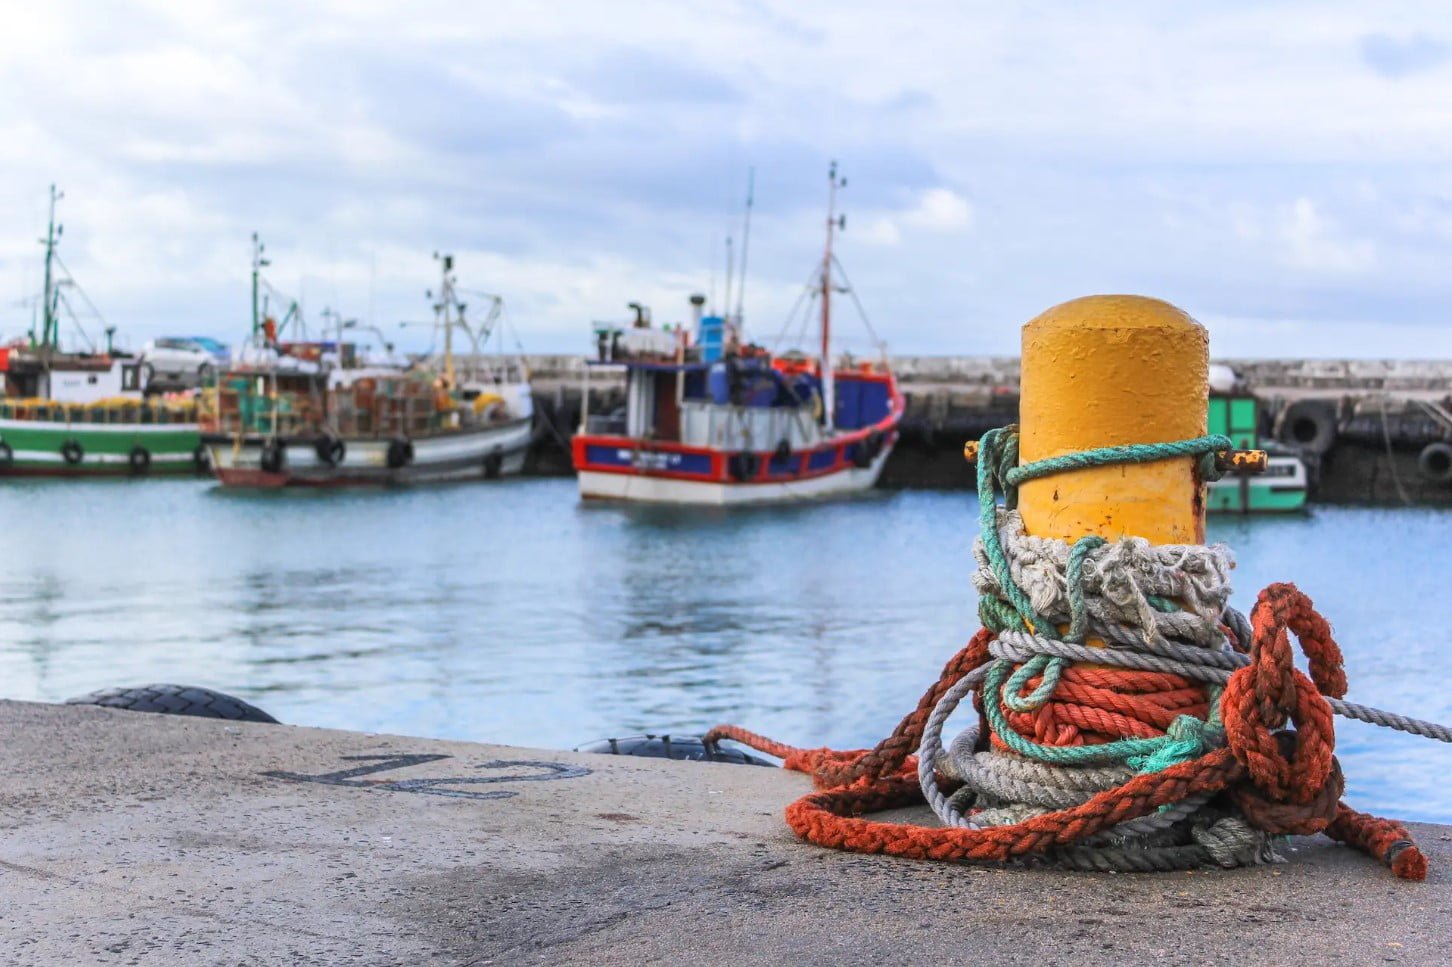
<point>1187,738</point>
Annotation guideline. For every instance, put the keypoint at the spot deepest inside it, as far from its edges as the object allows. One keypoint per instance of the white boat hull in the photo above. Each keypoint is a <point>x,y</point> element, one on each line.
<point>645,488</point>
<point>466,455</point>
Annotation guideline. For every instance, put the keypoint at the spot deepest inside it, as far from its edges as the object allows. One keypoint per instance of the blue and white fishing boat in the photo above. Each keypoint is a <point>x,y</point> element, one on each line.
<point>711,419</point>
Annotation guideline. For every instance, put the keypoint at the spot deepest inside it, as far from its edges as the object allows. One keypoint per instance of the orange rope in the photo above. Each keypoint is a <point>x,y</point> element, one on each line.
<point>1283,781</point>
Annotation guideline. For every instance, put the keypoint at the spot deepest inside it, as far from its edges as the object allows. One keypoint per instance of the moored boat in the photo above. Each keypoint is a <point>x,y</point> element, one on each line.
<point>710,419</point>
<point>87,410</point>
<point>1280,488</point>
<point>306,413</point>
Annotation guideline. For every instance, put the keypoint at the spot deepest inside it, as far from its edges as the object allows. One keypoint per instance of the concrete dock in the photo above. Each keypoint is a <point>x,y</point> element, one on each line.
<point>129,838</point>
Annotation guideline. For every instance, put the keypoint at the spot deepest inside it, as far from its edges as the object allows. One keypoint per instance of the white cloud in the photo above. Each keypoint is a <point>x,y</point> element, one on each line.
<point>1314,242</point>
<point>1244,160</point>
<point>940,210</point>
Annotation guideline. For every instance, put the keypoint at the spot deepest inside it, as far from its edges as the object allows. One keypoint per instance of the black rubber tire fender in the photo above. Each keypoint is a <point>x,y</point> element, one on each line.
<point>139,460</point>
<point>493,463</point>
<point>175,700</point>
<point>273,457</point>
<point>1435,462</point>
<point>331,450</point>
<point>72,452</point>
<point>1308,425</point>
<point>743,465</point>
<point>400,453</point>
<point>7,454</point>
<point>201,458</point>
<point>783,451</point>
<point>867,450</point>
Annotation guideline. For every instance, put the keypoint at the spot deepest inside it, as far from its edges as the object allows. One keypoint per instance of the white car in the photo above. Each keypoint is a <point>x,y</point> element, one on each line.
<point>173,358</point>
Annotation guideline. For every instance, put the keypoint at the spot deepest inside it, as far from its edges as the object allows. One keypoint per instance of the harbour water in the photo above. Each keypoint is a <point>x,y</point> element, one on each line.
<point>512,613</point>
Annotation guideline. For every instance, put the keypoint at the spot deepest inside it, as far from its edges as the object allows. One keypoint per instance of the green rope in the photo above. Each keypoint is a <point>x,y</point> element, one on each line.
<point>998,469</point>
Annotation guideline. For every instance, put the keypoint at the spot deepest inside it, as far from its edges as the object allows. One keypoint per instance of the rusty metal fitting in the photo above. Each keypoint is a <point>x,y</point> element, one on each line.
<point>1240,461</point>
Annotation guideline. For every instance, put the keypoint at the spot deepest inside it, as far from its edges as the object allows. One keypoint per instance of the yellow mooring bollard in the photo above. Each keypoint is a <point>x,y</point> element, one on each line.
<point>1110,370</point>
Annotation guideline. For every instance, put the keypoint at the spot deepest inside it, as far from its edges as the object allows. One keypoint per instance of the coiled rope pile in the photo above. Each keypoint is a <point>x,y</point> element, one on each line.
<point>1153,733</point>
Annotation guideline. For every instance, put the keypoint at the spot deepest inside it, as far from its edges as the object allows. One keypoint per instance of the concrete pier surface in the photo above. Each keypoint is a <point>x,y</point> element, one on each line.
<point>131,838</point>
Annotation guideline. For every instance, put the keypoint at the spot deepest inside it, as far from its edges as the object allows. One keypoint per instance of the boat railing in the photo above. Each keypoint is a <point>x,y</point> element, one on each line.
<point>104,412</point>
<point>368,408</point>
<point>705,424</point>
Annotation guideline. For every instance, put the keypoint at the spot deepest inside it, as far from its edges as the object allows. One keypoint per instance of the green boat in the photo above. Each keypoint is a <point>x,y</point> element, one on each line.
<point>86,412</point>
<point>1281,488</point>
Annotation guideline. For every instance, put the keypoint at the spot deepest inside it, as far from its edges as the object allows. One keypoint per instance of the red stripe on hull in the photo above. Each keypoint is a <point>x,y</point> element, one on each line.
<point>245,477</point>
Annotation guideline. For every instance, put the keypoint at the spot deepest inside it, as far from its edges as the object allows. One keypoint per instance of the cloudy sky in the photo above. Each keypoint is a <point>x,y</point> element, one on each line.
<point>1283,171</point>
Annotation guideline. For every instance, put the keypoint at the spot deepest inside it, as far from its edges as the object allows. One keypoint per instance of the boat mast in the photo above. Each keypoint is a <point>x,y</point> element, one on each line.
<point>745,243</point>
<point>258,264</point>
<point>50,319</point>
<point>834,222</point>
<point>446,298</point>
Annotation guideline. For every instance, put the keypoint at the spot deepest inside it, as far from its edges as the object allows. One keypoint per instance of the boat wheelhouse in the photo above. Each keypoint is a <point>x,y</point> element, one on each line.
<point>708,419</point>
<point>301,413</point>
<point>86,410</point>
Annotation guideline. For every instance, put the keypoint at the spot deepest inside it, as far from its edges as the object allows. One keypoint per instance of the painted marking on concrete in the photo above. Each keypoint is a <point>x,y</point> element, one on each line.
<point>353,778</point>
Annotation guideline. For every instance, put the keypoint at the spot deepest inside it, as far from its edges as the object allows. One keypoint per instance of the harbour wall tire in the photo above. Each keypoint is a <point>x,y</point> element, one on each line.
<point>7,455</point>
<point>493,463</point>
<point>273,457</point>
<point>783,451</point>
<point>687,747</point>
<point>201,459</point>
<point>1309,425</point>
<point>1435,463</point>
<point>400,454</point>
<point>72,453</point>
<point>175,700</point>
<point>140,460</point>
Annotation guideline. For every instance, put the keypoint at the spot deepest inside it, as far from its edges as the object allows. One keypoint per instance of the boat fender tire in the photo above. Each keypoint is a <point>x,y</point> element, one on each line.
<point>743,466</point>
<point>331,450</point>
<point>783,451</point>
<point>72,453</point>
<point>201,458</point>
<point>1435,462</point>
<point>493,463</point>
<point>175,700</point>
<point>1309,425</point>
<point>400,454</point>
<point>688,747</point>
<point>274,456</point>
<point>7,455</point>
<point>140,460</point>
<point>867,450</point>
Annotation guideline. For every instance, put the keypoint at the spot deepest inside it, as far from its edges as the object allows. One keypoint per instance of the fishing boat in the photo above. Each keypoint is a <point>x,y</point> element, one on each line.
<point>711,419</point>
<point>316,413</point>
<point>1280,488</point>
<point>85,410</point>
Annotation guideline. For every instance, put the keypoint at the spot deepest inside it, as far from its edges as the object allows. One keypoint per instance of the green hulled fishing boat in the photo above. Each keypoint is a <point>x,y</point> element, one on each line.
<point>87,410</point>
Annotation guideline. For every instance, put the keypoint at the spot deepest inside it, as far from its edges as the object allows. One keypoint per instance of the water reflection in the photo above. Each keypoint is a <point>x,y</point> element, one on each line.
<point>515,614</point>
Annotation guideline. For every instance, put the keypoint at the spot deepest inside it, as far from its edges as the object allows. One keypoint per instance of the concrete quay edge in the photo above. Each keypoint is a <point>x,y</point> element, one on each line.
<point>128,838</point>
